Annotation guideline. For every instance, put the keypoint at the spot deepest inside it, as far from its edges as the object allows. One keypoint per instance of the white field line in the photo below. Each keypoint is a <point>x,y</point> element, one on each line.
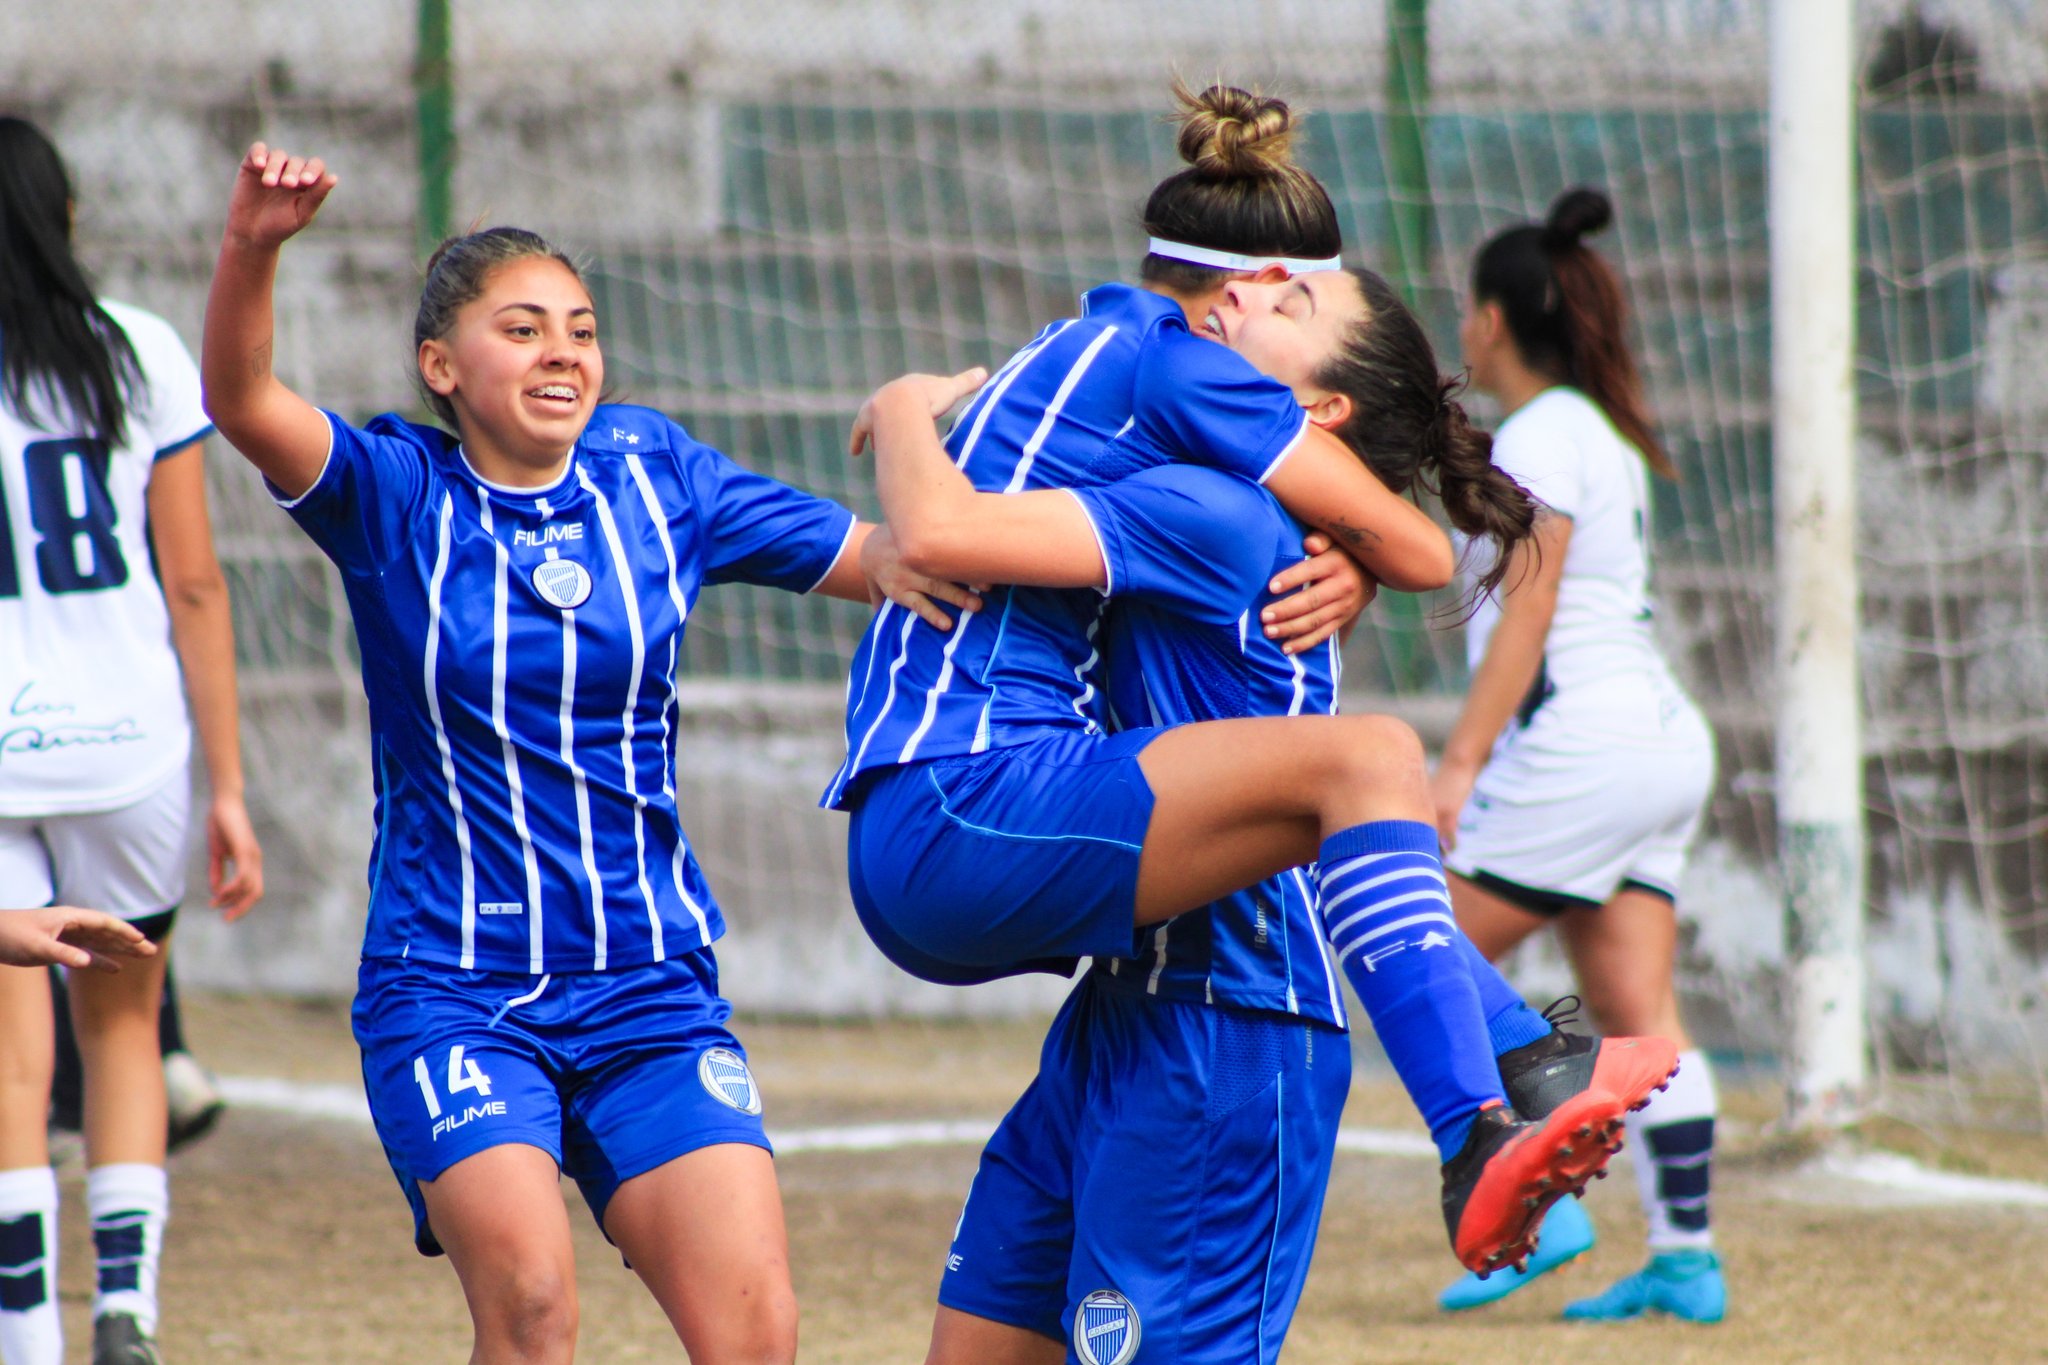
<point>333,1100</point>
<point>1896,1174</point>
<point>1907,1178</point>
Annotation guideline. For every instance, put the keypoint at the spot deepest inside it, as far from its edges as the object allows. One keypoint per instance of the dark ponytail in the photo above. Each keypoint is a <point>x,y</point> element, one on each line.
<point>62,358</point>
<point>1409,428</point>
<point>1241,192</point>
<point>1567,313</point>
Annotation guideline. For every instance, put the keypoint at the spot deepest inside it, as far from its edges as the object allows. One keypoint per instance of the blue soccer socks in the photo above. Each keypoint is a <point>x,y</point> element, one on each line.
<point>1509,1020</point>
<point>1387,913</point>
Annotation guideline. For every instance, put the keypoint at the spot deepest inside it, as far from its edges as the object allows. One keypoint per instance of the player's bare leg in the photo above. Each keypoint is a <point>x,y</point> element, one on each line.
<point>30,1329</point>
<point>1623,955</point>
<point>500,1217</point>
<point>115,1019</point>
<point>705,1232</point>
<point>963,1339</point>
<point>27,1040</point>
<point>1495,924</point>
<point>1236,801</point>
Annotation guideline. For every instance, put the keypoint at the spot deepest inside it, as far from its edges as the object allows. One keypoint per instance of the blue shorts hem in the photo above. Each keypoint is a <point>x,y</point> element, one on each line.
<point>598,1191</point>
<point>1054,1330</point>
<point>1002,860</point>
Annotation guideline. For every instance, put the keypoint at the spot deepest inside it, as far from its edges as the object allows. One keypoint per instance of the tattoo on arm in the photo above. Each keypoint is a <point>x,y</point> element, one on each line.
<point>1359,540</point>
<point>259,361</point>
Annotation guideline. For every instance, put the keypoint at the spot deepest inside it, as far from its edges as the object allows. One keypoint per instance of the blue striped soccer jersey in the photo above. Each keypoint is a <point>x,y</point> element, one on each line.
<point>1122,388</point>
<point>520,654</point>
<point>1190,552</point>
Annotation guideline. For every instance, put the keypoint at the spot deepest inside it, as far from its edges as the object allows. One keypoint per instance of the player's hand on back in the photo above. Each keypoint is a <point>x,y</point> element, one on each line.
<point>940,393</point>
<point>1334,591</point>
<point>276,194</point>
<point>889,578</point>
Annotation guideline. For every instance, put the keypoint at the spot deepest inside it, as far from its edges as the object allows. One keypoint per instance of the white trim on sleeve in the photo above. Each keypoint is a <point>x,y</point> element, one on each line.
<point>1286,450</point>
<point>852,524</point>
<point>326,461</point>
<point>165,452</point>
<point>1108,588</point>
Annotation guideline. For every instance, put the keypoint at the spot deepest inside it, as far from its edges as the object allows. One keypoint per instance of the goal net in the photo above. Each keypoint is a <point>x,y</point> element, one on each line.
<point>785,205</point>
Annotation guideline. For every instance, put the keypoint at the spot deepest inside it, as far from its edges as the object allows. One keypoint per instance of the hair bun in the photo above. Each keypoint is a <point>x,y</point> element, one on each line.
<point>1577,213</point>
<point>1233,134</point>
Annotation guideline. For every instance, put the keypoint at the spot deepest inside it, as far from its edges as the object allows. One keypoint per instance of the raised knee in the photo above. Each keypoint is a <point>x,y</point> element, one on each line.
<point>1381,751</point>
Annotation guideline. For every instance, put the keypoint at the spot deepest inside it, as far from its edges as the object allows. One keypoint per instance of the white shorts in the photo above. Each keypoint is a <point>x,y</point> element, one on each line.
<point>128,862</point>
<point>1603,787</point>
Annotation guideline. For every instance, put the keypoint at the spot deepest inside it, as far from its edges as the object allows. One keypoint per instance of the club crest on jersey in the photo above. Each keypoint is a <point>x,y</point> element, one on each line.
<point>1106,1329</point>
<point>563,582</point>
<point>724,1073</point>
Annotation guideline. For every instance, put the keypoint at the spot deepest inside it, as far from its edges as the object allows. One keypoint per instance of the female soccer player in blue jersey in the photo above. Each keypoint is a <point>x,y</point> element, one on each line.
<point>995,826</point>
<point>537,993</point>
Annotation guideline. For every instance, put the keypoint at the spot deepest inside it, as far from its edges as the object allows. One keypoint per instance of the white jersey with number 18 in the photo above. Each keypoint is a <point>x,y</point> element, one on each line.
<point>92,705</point>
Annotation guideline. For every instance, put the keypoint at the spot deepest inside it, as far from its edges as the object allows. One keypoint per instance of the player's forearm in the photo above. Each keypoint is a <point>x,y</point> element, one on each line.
<point>1324,484</point>
<point>202,630</point>
<point>236,347</point>
<point>1514,655</point>
<point>928,503</point>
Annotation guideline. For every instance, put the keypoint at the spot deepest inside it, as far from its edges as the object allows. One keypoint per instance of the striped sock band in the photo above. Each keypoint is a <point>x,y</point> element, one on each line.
<point>1387,913</point>
<point>129,1204</point>
<point>30,1331</point>
<point>1672,1139</point>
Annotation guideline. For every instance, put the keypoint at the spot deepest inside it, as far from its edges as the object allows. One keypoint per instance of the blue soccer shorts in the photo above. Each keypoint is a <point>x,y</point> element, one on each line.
<point>976,865</point>
<point>1154,1195</point>
<point>610,1073</point>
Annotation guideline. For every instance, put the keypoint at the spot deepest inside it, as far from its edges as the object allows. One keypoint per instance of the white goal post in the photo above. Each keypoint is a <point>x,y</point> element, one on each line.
<point>1813,405</point>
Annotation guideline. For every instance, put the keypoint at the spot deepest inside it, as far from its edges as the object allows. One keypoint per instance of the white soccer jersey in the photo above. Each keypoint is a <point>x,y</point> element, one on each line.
<point>1561,447</point>
<point>92,705</point>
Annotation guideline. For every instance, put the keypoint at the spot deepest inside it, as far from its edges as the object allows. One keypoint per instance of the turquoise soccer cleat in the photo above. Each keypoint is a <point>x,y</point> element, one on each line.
<point>1685,1284</point>
<point>1567,1234</point>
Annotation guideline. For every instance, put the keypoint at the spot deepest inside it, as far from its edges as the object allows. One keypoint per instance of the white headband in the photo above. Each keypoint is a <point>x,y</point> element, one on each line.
<point>1231,260</point>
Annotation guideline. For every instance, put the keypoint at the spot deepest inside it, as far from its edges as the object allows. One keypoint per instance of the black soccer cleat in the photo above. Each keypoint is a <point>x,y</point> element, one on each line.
<point>1510,1171</point>
<point>118,1339</point>
<point>1540,1076</point>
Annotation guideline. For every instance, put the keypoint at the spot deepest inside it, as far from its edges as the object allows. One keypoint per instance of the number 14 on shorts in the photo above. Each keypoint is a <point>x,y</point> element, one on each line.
<point>463,1075</point>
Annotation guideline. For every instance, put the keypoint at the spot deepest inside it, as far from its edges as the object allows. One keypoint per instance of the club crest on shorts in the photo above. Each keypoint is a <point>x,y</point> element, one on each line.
<point>563,582</point>
<point>1106,1329</point>
<point>724,1073</point>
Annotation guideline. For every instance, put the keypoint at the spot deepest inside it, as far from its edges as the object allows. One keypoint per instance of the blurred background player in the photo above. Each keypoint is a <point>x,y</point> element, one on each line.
<point>537,993</point>
<point>1572,784</point>
<point>113,613</point>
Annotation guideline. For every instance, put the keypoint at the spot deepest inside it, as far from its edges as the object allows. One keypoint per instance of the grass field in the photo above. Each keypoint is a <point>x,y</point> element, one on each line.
<point>289,1241</point>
